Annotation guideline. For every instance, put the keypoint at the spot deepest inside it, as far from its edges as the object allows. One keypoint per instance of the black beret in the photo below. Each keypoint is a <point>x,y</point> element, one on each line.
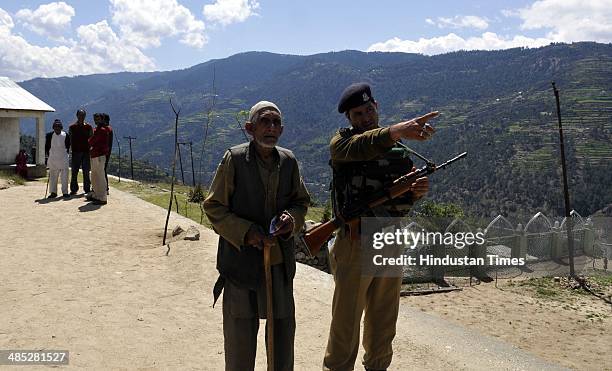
<point>354,96</point>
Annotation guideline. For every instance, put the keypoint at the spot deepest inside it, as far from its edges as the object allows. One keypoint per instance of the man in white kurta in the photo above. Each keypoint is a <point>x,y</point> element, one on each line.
<point>57,146</point>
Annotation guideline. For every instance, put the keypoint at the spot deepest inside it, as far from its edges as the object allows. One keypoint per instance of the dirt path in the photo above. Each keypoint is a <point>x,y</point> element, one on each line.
<point>96,281</point>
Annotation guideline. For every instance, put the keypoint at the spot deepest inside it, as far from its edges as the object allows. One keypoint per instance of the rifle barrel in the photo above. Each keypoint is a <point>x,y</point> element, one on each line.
<point>317,236</point>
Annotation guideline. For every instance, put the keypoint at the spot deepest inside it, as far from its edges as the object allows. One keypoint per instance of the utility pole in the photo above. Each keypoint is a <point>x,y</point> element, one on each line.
<point>191,155</point>
<point>178,148</point>
<point>568,216</point>
<point>130,138</point>
<point>119,146</point>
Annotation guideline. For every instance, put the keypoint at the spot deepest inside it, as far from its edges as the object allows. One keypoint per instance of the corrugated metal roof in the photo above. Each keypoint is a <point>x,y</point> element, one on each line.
<point>13,96</point>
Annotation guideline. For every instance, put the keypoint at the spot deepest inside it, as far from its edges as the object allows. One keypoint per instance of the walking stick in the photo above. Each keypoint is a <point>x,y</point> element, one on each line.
<point>47,187</point>
<point>269,307</point>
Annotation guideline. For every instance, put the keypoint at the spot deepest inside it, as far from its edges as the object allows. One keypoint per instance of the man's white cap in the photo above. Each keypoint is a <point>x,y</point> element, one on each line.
<point>260,106</point>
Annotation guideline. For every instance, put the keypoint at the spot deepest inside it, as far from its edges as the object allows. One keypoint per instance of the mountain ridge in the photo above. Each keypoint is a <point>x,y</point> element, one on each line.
<point>496,105</point>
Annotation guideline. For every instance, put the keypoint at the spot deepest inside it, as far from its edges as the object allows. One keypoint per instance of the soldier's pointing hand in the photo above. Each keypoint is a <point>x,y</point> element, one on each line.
<point>415,129</point>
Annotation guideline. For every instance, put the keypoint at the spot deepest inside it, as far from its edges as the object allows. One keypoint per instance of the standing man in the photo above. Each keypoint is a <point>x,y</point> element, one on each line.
<point>98,149</point>
<point>257,197</point>
<point>80,132</point>
<point>57,147</point>
<point>106,120</point>
<point>363,158</point>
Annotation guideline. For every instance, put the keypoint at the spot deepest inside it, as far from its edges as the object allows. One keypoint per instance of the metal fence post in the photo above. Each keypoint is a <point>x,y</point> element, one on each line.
<point>556,247</point>
<point>479,251</point>
<point>588,240</point>
<point>521,243</point>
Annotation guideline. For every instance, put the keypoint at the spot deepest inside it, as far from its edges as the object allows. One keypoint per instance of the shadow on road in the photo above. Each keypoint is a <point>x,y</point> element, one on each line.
<point>89,207</point>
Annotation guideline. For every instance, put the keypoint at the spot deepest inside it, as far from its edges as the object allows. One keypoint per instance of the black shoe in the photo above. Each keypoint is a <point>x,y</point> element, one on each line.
<point>66,195</point>
<point>72,193</point>
<point>98,202</point>
<point>90,198</point>
<point>52,195</point>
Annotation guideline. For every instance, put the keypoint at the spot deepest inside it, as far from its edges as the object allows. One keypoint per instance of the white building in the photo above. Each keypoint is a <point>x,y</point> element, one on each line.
<point>17,103</point>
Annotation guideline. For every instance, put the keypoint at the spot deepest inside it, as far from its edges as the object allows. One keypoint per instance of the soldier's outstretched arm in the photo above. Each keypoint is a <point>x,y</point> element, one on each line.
<point>361,147</point>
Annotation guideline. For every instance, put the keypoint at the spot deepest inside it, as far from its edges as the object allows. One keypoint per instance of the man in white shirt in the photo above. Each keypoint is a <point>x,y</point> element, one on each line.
<point>57,147</point>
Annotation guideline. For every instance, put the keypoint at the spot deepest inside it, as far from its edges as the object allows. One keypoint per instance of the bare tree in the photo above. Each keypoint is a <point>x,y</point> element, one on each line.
<point>239,116</point>
<point>176,114</point>
<point>209,119</point>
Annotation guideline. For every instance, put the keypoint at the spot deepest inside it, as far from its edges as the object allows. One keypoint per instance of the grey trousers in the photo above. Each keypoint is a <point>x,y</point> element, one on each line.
<point>80,160</point>
<point>242,309</point>
<point>63,174</point>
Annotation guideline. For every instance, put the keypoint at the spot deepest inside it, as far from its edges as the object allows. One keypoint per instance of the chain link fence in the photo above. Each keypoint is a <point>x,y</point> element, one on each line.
<point>541,243</point>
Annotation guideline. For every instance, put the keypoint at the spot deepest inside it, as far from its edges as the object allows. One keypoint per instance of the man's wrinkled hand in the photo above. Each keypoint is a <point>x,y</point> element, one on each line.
<point>285,224</point>
<point>255,237</point>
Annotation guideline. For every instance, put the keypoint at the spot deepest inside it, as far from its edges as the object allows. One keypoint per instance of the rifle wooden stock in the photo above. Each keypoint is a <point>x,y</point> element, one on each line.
<point>317,236</point>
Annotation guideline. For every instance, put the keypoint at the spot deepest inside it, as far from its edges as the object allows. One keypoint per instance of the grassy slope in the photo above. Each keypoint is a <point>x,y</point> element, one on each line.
<point>10,176</point>
<point>159,194</point>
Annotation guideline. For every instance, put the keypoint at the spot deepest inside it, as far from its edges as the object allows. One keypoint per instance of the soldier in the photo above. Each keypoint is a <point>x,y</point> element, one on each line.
<point>363,158</point>
<point>256,183</point>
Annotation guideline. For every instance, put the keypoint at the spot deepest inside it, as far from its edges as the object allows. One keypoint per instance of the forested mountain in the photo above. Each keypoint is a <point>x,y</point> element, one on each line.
<point>497,105</point>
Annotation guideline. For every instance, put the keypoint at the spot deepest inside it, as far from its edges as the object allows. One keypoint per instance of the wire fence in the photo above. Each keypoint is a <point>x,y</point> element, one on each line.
<point>541,244</point>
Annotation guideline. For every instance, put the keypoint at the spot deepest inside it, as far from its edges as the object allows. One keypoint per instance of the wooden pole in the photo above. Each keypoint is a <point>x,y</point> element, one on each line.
<point>568,216</point>
<point>192,168</point>
<point>130,138</point>
<point>178,147</point>
<point>119,147</point>
<point>176,114</point>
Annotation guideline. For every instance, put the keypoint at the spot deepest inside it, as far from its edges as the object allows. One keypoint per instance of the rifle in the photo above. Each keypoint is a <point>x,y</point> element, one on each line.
<point>317,236</point>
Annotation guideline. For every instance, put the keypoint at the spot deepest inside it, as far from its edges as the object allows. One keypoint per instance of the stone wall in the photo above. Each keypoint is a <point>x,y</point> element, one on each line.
<point>9,139</point>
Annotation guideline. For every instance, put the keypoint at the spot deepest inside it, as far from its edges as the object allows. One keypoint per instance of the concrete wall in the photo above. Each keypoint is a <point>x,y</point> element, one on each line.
<point>9,139</point>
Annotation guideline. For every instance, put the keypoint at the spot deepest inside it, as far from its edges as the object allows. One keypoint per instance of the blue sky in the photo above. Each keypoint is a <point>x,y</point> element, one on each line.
<point>46,39</point>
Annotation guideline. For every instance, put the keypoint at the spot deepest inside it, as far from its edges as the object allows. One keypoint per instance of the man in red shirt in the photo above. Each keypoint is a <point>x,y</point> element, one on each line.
<point>98,150</point>
<point>106,119</point>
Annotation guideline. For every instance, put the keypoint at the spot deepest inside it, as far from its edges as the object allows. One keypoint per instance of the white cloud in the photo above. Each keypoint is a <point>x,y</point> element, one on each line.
<point>97,50</point>
<point>452,42</point>
<point>6,22</point>
<point>570,20</point>
<point>227,12</point>
<point>562,21</point>
<point>146,22</point>
<point>509,13</point>
<point>460,21</point>
<point>48,19</point>
<point>106,51</point>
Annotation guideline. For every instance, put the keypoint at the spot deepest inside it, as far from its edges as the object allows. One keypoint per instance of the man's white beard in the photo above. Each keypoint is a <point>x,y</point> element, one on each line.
<point>265,145</point>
